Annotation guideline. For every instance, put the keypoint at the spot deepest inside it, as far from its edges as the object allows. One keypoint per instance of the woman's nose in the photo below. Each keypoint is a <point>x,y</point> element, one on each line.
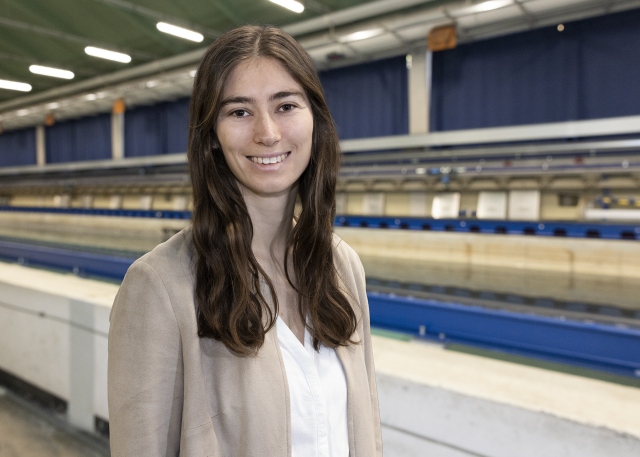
<point>266,130</point>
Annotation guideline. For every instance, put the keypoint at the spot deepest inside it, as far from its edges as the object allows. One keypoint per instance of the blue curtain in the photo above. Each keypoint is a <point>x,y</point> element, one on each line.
<point>156,129</point>
<point>369,99</point>
<point>588,71</point>
<point>87,138</point>
<point>18,147</point>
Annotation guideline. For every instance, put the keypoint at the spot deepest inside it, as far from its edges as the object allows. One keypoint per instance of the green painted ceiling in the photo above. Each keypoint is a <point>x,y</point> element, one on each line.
<point>55,32</point>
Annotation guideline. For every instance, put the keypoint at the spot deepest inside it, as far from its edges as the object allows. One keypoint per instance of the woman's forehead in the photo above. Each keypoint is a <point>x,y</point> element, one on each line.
<point>259,76</point>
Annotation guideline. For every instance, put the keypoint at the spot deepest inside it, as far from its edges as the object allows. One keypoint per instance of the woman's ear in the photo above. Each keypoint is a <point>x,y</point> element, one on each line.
<point>215,144</point>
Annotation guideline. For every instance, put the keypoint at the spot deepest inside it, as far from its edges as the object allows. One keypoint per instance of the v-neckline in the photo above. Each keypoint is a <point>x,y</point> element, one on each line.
<point>292,336</point>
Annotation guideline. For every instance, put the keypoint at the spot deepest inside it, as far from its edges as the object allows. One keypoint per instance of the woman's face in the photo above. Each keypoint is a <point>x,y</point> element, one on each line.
<point>265,127</point>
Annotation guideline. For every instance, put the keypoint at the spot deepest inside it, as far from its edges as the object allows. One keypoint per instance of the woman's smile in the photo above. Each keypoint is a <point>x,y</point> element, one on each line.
<point>272,159</point>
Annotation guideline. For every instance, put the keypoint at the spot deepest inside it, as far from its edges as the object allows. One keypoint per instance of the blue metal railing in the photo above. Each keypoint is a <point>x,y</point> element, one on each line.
<point>597,346</point>
<point>570,229</point>
<point>100,212</point>
<point>78,262</point>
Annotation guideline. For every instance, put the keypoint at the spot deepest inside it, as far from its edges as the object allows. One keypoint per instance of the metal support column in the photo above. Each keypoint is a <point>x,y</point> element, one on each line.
<point>117,130</point>
<point>41,151</point>
<point>419,65</point>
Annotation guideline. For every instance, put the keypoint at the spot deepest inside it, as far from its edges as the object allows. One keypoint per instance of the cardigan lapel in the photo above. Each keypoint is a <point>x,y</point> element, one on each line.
<point>345,356</point>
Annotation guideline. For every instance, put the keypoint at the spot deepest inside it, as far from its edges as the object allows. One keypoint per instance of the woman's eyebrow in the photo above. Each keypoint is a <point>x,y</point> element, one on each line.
<point>285,94</point>
<point>239,99</point>
<point>250,100</point>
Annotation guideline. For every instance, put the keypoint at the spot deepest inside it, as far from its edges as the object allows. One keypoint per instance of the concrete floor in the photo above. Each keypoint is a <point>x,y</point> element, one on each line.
<point>26,430</point>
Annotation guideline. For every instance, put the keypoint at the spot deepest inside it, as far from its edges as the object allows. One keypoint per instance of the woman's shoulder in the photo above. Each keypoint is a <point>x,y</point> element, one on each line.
<point>162,279</point>
<point>172,258</point>
<point>346,258</point>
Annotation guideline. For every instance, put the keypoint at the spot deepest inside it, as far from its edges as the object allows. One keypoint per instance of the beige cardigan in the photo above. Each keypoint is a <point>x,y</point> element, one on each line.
<point>172,393</point>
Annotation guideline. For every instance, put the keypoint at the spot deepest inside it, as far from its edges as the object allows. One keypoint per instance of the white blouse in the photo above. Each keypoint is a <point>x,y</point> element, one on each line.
<point>318,396</point>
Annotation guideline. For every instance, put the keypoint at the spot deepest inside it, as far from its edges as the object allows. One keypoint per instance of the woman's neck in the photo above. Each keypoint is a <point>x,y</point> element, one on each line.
<point>272,219</point>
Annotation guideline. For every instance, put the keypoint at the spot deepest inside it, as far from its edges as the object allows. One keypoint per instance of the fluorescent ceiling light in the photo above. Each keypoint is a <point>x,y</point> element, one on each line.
<point>109,55</point>
<point>492,5</point>
<point>48,71</point>
<point>292,5</point>
<point>361,35</point>
<point>180,32</point>
<point>481,7</point>
<point>12,85</point>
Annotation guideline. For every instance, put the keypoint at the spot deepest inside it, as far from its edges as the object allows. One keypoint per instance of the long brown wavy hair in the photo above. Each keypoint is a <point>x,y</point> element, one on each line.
<point>231,307</point>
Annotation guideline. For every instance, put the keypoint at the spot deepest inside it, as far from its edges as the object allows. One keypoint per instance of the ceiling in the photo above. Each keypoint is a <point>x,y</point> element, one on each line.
<point>55,33</point>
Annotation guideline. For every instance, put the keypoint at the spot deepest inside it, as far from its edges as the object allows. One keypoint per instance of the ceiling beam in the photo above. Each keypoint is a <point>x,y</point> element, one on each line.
<point>140,71</point>
<point>158,16</point>
<point>350,15</point>
<point>33,60</point>
<point>83,41</point>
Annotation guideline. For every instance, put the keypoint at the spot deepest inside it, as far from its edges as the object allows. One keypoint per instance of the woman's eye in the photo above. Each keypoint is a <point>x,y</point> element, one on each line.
<point>287,107</point>
<point>239,113</point>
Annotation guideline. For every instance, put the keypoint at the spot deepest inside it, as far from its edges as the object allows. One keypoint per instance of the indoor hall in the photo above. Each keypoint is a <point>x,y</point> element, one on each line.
<point>489,184</point>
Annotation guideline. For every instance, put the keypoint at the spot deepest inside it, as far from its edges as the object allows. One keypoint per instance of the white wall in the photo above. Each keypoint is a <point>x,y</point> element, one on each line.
<point>53,334</point>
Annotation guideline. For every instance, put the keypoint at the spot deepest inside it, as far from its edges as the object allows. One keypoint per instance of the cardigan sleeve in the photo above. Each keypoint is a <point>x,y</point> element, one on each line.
<point>368,351</point>
<point>358,271</point>
<point>145,374</point>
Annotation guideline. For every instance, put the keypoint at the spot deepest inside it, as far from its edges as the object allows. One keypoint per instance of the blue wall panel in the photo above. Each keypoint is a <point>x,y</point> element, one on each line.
<point>87,138</point>
<point>18,147</point>
<point>156,129</point>
<point>142,132</point>
<point>588,71</point>
<point>610,64</point>
<point>369,99</point>
<point>177,125</point>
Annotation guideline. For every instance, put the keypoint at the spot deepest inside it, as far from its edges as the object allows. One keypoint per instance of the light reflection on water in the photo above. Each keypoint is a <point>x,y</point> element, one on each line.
<point>603,290</point>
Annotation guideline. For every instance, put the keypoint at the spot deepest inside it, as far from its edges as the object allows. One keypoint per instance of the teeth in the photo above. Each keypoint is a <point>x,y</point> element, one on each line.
<point>267,160</point>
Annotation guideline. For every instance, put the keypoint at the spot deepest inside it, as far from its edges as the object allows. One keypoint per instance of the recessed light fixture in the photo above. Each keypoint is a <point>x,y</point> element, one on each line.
<point>179,32</point>
<point>292,5</point>
<point>361,35</point>
<point>48,71</point>
<point>481,7</point>
<point>109,55</point>
<point>492,5</point>
<point>13,85</point>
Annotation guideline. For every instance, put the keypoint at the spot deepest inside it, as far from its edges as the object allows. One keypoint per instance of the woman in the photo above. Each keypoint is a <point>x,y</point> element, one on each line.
<point>247,334</point>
